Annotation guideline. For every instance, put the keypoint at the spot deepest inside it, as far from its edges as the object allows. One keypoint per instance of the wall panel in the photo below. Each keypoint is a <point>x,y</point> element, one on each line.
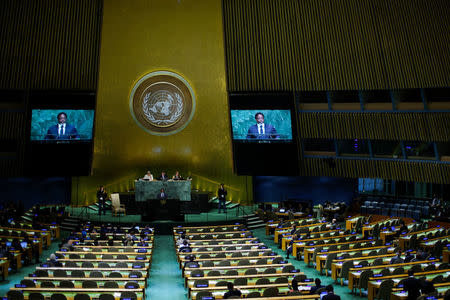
<point>49,44</point>
<point>337,44</point>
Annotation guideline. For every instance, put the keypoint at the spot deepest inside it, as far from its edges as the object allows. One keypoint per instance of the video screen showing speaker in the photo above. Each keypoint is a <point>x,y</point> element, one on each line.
<point>61,125</point>
<point>264,135</point>
<point>60,133</point>
<point>261,126</point>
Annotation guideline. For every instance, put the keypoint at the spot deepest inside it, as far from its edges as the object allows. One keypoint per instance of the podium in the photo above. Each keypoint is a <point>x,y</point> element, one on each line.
<point>157,209</point>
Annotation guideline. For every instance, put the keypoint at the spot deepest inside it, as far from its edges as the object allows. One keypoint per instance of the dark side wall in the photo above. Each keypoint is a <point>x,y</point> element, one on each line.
<point>310,189</point>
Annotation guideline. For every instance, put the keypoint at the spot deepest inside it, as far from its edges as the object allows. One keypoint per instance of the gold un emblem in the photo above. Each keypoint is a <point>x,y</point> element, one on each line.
<point>162,103</point>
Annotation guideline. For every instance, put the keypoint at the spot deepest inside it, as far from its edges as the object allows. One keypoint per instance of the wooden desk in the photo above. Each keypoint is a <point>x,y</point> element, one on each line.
<point>79,281</point>
<point>219,291</point>
<point>240,269</point>
<point>71,292</point>
<point>212,280</point>
<point>375,282</point>
<point>397,294</point>
<point>354,273</point>
<point>286,239</point>
<point>298,246</point>
<point>321,258</point>
<point>308,251</point>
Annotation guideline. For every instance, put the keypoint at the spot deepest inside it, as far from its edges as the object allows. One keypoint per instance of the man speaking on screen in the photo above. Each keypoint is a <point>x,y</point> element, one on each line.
<point>62,130</point>
<point>261,130</point>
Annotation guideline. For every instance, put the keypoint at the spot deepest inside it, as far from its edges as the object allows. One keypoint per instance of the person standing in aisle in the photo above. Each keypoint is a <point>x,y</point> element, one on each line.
<point>222,194</point>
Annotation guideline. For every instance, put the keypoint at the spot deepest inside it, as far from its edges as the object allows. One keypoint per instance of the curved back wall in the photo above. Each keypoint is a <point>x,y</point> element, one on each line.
<point>139,37</point>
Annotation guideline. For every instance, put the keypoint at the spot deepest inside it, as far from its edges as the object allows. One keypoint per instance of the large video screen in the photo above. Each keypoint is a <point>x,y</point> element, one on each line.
<point>57,125</point>
<point>268,125</point>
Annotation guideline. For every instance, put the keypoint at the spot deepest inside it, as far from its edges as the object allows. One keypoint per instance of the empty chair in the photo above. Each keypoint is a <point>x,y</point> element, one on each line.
<point>77,274</point>
<point>44,273</point>
<point>131,285</point>
<point>121,265</point>
<point>17,295</point>
<point>87,264</point>
<point>281,280</point>
<point>224,263</point>
<point>384,292</point>
<point>59,273</point>
<point>288,269</point>
<point>66,284</point>
<point>236,254</point>
<point>28,283</point>
<point>230,248</point>
<point>254,295</point>
<point>231,273</point>
<point>205,256</point>
<point>107,256</point>
<point>208,264</point>
<point>214,273</point>
<point>270,271</point>
<point>138,265</point>
<point>96,274</point>
<point>222,283</point>
<point>90,256</point>
<point>364,280</point>
<point>103,265</point>
<point>430,267</point>
<point>398,271</point>
<point>437,279</point>
<point>261,261</point>
<point>377,262</point>
<point>240,281</point>
<point>244,262</point>
<point>70,264</point>
<point>123,256</point>
<point>89,284</point>
<point>204,295</point>
<point>128,295</point>
<point>115,275</point>
<point>58,297</point>
<point>197,273</point>
<point>35,296</point>
<point>251,271</point>
<point>106,297</point>
<point>47,284</point>
<point>74,256</point>
<point>270,292</point>
<point>82,297</point>
<point>111,285</point>
<point>344,247</point>
<point>262,281</point>
<point>385,272</point>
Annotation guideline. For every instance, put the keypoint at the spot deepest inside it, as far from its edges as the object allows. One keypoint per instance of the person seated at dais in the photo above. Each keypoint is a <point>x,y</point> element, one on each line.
<point>177,176</point>
<point>148,176</point>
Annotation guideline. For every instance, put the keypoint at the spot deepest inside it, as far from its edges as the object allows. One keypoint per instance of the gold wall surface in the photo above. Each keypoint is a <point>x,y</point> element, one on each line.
<point>142,36</point>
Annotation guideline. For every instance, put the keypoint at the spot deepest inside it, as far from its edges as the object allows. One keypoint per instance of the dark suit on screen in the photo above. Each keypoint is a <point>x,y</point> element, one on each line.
<point>70,133</point>
<point>269,132</point>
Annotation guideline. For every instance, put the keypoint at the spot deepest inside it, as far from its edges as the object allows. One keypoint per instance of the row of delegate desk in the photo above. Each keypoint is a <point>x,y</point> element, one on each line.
<point>24,232</point>
<point>91,272</point>
<point>253,267</point>
<point>364,262</point>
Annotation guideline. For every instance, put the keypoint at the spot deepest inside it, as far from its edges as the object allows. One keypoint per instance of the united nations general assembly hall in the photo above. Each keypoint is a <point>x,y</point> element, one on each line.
<point>224,149</point>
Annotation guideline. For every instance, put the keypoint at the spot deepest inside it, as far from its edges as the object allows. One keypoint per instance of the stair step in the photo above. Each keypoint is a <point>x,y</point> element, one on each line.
<point>233,205</point>
<point>256,226</point>
<point>255,222</point>
<point>253,218</point>
<point>26,218</point>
